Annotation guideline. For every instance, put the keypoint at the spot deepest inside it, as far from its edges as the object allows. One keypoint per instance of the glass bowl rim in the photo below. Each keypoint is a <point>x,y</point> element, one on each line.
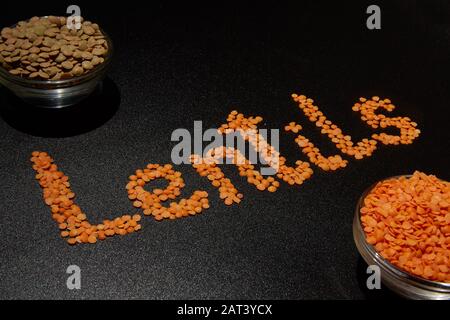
<point>378,257</point>
<point>65,82</point>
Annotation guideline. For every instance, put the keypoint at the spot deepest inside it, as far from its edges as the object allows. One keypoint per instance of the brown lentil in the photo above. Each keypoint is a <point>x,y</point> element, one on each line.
<point>49,42</point>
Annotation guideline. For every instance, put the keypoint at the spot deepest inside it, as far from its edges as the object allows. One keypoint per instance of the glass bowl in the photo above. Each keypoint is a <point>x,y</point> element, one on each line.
<point>57,93</point>
<point>401,282</point>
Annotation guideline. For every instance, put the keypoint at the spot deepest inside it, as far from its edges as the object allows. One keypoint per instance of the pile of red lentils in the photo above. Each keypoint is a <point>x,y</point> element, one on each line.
<point>407,220</point>
<point>72,221</point>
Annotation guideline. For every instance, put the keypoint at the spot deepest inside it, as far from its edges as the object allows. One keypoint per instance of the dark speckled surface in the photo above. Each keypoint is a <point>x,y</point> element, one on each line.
<point>174,65</point>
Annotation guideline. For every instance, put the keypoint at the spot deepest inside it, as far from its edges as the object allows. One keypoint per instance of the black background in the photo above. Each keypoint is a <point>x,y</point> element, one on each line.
<point>176,63</point>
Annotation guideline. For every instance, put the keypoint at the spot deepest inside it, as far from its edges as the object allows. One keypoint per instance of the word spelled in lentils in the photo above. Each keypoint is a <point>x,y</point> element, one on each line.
<point>150,202</point>
<point>45,49</point>
<point>207,167</point>
<point>343,142</point>
<point>325,163</point>
<point>247,128</point>
<point>407,220</point>
<point>367,108</point>
<point>72,222</point>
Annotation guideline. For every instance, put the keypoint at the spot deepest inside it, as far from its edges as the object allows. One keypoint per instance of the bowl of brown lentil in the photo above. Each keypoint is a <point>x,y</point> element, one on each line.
<point>47,65</point>
<point>405,265</point>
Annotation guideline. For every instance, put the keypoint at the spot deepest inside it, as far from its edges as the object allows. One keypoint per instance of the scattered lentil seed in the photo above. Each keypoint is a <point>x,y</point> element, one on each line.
<point>294,127</point>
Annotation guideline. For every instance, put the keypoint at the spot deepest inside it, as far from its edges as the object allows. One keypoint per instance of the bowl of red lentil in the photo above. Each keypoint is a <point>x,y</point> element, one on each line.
<point>402,225</point>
